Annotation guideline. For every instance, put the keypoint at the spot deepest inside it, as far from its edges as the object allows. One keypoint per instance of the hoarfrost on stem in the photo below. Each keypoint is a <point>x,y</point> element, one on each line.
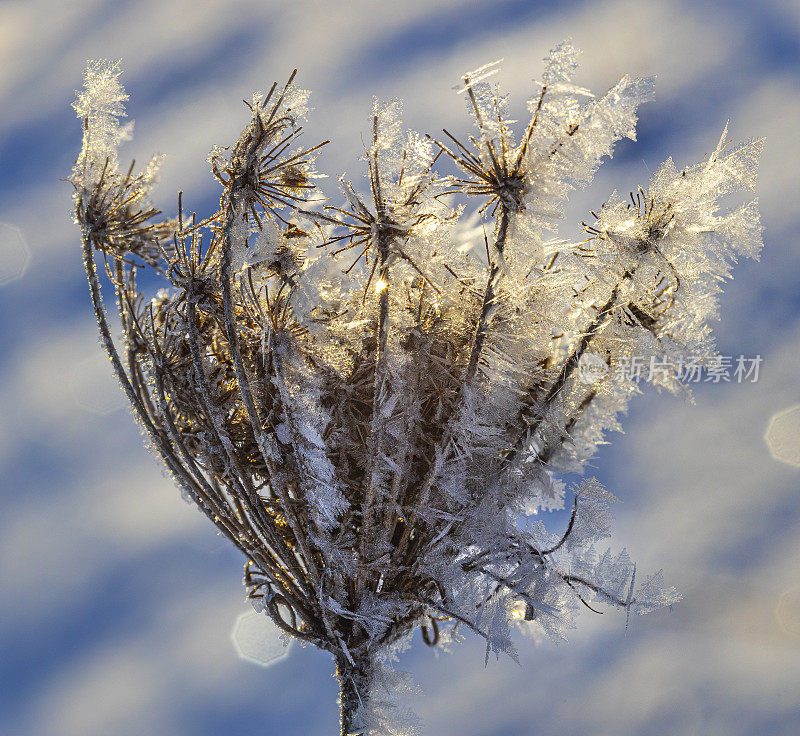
<point>373,415</point>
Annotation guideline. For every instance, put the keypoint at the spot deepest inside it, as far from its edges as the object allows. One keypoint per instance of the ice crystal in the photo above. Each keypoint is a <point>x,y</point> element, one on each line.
<point>378,417</point>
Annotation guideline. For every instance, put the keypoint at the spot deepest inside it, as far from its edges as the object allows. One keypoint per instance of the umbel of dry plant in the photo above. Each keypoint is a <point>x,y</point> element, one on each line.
<point>374,411</point>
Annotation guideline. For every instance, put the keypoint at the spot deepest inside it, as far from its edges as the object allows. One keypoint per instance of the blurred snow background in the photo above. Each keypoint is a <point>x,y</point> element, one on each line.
<point>117,601</point>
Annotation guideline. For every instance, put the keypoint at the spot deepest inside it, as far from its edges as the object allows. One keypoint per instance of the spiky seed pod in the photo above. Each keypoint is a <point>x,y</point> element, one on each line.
<point>371,414</point>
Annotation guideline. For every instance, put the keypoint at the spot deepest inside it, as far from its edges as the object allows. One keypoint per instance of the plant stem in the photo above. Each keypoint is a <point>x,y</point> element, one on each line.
<point>489,296</point>
<point>567,369</point>
<point>354,681</point>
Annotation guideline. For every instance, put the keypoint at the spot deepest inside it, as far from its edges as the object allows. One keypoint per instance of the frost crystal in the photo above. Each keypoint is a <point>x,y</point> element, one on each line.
<point>378,416</point>
<point>100,104</point>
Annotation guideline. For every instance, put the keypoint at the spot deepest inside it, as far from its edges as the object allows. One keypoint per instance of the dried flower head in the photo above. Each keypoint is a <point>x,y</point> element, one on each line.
<point>378,433</point>
<point>262,169</point>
